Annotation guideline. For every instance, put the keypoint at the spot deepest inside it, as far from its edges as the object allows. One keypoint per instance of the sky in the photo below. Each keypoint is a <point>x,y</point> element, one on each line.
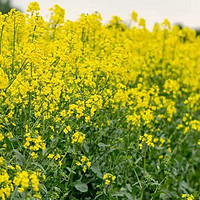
<point>186,12</point>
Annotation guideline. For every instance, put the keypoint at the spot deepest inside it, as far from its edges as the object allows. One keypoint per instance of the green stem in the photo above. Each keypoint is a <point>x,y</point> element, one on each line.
<point>1,37</point>
<point>13,194</point>
<point>73,163</point>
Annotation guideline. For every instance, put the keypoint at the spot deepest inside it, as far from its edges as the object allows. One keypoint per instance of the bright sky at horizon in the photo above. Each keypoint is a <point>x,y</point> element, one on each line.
<point>186,12</point>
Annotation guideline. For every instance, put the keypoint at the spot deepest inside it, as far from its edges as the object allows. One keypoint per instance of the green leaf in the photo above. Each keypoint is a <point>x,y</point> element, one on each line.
<point>128,186</point>
<point>82,187</point>
<point>20,158</point>
<point>102,145</point>
<point>96,170</point>
<point>164,196</point>
<point>86,147</point>
<point>129,196</point>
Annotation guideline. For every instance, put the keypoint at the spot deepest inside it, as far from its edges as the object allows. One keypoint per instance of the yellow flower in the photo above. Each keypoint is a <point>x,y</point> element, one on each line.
<point>9,135</point>
<point>78,163</point>
<point>18,167</point>
<point>35,181</point>
<point>167,23</point>
<point>37,196</point>
<point>11,167</point>
<point>1,160</point>
<point>88,164</point>
<point>67,129</point>
<point>34,155</point>
<point>142,22</point>
<point>87,119</point>
<point>50,156</point>
<point>83,159</point>
<point>1,137</point>
<point>51,137</point>
<point>134,16</point>
<point>84,169</point>
<point>33,6</point>
<point>107,182</point>
<point>58,15</point>
<point>57,157</point>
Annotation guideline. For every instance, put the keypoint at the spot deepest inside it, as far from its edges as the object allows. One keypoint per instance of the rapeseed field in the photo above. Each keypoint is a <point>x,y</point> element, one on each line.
<point>94,111</point>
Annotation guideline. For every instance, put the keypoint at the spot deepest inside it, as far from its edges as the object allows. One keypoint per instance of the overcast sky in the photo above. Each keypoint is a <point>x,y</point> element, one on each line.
<point>186,12</point>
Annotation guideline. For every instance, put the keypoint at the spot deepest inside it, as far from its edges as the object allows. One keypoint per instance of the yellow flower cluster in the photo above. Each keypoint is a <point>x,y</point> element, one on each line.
<point>57,157</point>
<point>147,139</point>
<point>84,162</point>
<point>6,186</point>
<point>23,179</point>
<point>9,181</point>
<point>34,143</point>
<point>195,125</point>
<point>35,181</point>
<point>109,178</point>
<point>78,137</point>
<point>33,6</point>
<point>188,196</point>
<point>57,16</point>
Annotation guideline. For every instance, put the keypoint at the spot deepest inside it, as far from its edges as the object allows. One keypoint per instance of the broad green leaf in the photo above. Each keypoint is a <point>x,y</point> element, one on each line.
<point>82,187</point>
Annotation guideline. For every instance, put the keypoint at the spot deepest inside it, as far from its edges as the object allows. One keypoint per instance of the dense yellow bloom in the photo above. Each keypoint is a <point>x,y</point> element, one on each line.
<point>3,79</point>
<point>34,143</point>
<point>21,180</point>
<point>78,137</point>
<point>35,181</point>
<point>6,186</point>
<point>33,6</point>
<point>78,87</point>
<point>148,139</point>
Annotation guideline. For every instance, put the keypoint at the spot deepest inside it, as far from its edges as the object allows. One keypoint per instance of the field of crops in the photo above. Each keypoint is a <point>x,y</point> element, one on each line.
<point>90,111</point>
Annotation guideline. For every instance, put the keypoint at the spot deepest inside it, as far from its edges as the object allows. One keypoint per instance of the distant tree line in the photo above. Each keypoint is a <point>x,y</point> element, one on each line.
<point>181,26</point>
<point>5,6</point>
